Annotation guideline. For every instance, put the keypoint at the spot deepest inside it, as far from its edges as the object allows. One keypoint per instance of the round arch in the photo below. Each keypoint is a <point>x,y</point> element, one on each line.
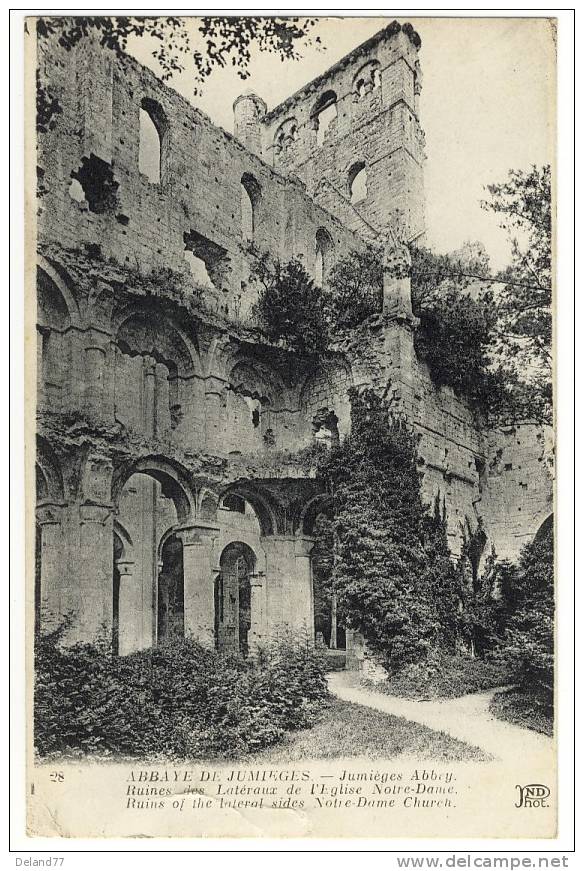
<point>545,528</point>
<point>321,503</point>
<point>172,477</point>
<point>140,331</point>
<point>49,473</point>
<point>260,502</point>
<point>51,278</point>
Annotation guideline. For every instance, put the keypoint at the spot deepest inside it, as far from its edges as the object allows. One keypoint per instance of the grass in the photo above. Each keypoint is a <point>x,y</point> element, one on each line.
<point>346,729</point>
<point>446,677</point>
<point>523,709</point>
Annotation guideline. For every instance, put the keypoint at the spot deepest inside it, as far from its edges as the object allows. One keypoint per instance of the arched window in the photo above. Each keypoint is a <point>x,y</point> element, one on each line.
<point>367,80</point>
<point>358,182</point>
<point>250,199</point>
<point>324,249</point>
<point>286,135</point>
<point>152,130</point>
<point>323,113</point>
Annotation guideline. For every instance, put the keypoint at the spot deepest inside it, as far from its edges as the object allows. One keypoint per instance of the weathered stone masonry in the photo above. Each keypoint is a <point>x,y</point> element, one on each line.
<point>171,497</point>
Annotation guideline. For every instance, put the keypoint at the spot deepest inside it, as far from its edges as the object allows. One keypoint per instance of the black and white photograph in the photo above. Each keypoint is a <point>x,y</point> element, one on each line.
<point>290,295</point>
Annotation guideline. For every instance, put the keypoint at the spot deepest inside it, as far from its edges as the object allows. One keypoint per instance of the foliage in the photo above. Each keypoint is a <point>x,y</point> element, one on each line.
<point>179,700</point>
<point>290,306</point>
<point>445,675</point>
<point>392,565</point>
<point>523,709</point>
<point>457,323</point>
<point>322,571</point>
<point>215,42</point>
<point>225,41</point>
<point>524,334</point>
<point>354,289</point>
<point>529,647</point>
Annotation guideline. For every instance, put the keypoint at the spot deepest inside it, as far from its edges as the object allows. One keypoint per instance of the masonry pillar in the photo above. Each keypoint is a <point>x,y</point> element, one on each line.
<point>129,609</point>
<point>94,573</point>
<point>95,362</point>
<point>303,596</point>
<point>289,583</point>
<point>48,518</point>
<point>257,633</point>
<point>199,598</point>
<point>149,397</point>
<point>214,391</point>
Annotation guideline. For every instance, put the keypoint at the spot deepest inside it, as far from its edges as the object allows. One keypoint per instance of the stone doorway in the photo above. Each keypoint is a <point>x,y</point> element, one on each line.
<point>171,592</point>
<point>233,598</point>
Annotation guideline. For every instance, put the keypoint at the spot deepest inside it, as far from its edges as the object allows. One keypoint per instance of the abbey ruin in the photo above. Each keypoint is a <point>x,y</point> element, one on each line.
<point>172,497</point>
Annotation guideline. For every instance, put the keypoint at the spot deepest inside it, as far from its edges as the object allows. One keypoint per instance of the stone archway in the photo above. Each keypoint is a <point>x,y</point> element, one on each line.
<point>154,502</point>
<point>233,598</point>
<point>171,591</point>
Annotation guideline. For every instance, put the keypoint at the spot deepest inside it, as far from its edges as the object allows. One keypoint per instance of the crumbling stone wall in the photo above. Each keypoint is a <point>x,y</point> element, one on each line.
<point>376,91</point>
<point>145,373</point>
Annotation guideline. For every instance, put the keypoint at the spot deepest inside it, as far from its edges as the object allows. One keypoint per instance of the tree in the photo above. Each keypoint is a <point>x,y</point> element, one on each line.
<point>524,332</point>
<point>355,288</point>
<point>224,41</point>
<point>290,306</point>
<point>457,322</point>
<point>530,627</point>
<point>392,572</point>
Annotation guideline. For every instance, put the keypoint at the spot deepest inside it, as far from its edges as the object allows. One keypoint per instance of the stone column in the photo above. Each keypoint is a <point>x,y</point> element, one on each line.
<point>148,406</point>
<point>289,600</point>
<point>48,517</point>
<point>303,595</point>
<point>94,379</point>
<point>129,609</point>
<point>258,632</point>
<point>94,568</point>
<point>214,433</point>
<point>199,599</point>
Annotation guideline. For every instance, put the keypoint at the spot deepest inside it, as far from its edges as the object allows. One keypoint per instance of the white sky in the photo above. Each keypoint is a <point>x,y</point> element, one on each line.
<point>487,106</point>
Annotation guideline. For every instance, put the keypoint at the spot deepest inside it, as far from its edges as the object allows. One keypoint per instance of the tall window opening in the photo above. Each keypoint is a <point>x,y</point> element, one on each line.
<point>171,602</point>
<point>152,130</point>
<point>358,182</point>
<point>233,598</point>
<point>250,199</point>
<point>324,250</point>
<point>323,114</point>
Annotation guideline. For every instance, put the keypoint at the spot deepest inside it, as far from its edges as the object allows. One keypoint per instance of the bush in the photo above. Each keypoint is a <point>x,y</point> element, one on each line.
<point>446,676</point>
<point>524,709</point>
<point>290,306</point>
<point>179,700</point>
<point>355,288</point>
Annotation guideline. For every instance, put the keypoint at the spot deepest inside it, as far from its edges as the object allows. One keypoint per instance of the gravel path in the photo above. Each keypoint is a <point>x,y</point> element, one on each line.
<point>466,718</point>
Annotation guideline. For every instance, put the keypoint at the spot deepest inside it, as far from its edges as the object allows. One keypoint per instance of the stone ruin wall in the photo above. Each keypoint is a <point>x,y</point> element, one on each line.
<point>136,375</point>
<point>377,90</point>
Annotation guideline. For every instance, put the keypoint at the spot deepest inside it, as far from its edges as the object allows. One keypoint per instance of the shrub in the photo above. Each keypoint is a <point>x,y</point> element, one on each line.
<point>355,288</point>
<point>393,574</point>
<point>444,675</point>
<point>290,306</point>
<point>178,699</point>
<point>529,642</point>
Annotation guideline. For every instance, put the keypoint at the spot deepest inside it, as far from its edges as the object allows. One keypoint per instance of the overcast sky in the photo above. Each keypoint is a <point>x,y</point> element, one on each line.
<point>487,106</point>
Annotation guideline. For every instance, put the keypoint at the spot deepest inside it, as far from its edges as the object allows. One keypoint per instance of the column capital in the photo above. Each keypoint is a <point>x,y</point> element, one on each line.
<point>49,512</point>
<point>197,533</point>
<point>95,513</point>
<point>303,545</point>
<point>125,567</point>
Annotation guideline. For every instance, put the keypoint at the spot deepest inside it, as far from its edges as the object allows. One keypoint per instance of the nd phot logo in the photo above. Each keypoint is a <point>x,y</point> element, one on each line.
<point>532,795</point>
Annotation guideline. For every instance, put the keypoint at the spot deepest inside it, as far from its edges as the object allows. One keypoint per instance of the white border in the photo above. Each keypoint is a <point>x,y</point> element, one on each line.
<point>41,847</point>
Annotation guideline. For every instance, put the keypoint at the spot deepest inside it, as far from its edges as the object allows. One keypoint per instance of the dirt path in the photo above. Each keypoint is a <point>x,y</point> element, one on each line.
<point>466,718</point>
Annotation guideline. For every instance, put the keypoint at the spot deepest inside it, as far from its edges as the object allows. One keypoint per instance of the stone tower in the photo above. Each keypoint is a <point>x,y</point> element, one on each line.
<point>248,113</point>
<point>353,136</point>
